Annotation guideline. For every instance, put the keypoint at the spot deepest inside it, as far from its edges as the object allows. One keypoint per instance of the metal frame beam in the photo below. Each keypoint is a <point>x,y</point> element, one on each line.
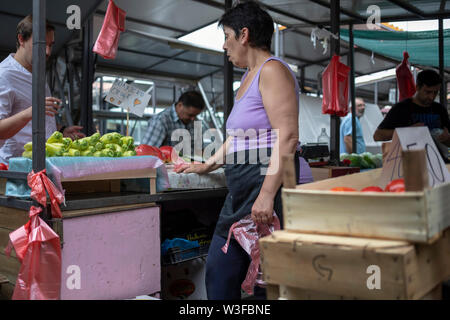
<point>409,7</point>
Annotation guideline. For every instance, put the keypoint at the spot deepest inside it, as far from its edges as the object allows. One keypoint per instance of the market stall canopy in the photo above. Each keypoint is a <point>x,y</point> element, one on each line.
<point>11,12</point>
<point>422,47</point>
<point>150,44</point>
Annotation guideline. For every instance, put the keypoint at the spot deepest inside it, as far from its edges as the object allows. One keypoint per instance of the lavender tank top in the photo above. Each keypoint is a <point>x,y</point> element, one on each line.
<point>248,123</point>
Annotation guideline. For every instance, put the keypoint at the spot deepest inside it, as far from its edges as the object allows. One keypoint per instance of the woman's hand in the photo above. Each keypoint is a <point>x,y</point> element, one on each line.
<point>73,132</point>
<point>262,210</point>
<point>200,168</point>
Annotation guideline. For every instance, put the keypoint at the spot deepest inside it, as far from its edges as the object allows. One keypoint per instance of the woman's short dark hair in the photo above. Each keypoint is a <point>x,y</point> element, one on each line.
<point>25,29</point>
<point>428,77</point>
<point>192,99</point>
<point>249,15</point>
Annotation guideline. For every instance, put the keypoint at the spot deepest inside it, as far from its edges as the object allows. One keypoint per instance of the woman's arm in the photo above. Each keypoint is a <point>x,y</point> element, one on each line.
<point>214,162</point>
<point>277,89</point>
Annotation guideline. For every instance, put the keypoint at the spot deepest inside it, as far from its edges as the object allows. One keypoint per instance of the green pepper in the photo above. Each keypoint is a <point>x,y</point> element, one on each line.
<point>129,153</point>
<point>28,146</point>
<point>55,137</point>
<point>74,152</point>
<point>27,154</point>
<point>67,142</point>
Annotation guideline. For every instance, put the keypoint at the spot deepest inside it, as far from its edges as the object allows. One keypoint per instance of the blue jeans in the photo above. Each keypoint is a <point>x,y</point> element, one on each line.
<point>226,272</point>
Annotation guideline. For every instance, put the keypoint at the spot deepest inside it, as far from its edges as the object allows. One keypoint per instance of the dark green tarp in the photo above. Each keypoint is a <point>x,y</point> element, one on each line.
<point>422,47</point>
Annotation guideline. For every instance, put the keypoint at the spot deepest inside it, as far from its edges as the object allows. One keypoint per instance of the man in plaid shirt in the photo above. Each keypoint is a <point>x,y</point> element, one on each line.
<point>181,115</point>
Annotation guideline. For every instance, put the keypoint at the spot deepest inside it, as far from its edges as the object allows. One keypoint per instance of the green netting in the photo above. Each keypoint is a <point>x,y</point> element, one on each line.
<point>422,47</point>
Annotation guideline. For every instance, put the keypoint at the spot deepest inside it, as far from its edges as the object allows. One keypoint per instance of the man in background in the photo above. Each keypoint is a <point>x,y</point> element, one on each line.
<point>346,130</point>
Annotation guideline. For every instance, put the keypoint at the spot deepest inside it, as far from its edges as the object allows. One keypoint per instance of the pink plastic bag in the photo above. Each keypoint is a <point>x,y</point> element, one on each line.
<point>247,233</point>
<point>405,79</point>
<point>39,184</point>
<point>38,248</point>
<point>335,88</point>
<point>108,38</point>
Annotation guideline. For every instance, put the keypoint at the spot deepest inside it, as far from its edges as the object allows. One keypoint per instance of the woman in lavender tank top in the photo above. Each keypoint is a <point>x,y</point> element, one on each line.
<point>263,122</point>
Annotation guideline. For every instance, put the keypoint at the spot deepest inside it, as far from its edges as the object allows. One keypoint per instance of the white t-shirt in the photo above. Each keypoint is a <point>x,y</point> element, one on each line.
<point>16,96</point>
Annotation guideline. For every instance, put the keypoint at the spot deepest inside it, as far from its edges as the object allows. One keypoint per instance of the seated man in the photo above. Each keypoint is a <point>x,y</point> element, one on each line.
<point>420,110</point>
<point>346,143</point>
<point>181,115</point>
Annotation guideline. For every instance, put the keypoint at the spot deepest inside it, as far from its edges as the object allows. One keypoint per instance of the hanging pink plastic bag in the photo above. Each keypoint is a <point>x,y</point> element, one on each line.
<point>40,184</point>
<point>405,79</point>
<point>37,246</point>
<point>108,39</point>
<point>247,233</point>
<point>335,88</point>
<point>38,249</point>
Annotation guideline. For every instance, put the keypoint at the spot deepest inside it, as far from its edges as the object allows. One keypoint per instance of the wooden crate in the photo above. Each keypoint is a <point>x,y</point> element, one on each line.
<point>411,216</point>
<point>337,266</point>
<point>281,292</point>
<point>107,182</point>
<point>326,172</point>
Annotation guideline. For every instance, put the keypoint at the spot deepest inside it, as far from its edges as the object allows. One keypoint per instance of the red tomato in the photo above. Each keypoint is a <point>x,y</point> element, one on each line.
<point>169,153</point>
<point>397,185</point>
<point>3,166</point>
<point>343,189</point>
<point>372,189</point>
<point>146,150</point>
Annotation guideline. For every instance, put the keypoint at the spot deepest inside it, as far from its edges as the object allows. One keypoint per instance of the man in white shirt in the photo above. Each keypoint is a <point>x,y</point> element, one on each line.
<point>16,95</point>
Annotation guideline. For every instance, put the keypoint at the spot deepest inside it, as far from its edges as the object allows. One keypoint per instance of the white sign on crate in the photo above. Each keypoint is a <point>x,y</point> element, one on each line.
<point>413,138</point>
<point>128,97</point>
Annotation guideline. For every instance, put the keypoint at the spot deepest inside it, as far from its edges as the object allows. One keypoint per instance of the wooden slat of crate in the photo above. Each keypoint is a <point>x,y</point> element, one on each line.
<point>326,172</point>
<point>411,216</point>
<point>94,181</point>
<point>275,292</point>
<point>338,265</point>
<point>12,219</point>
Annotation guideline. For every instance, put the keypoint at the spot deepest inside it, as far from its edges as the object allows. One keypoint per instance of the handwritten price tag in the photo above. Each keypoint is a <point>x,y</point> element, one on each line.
<point>413,138</point>
<point>125,96</point>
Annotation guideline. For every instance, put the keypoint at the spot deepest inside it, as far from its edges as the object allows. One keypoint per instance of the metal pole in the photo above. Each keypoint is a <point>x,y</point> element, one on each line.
<point>302,80</point>
<point>335,121</point>
<point>87,77</point>
<point>443,91</point>
<point>211,112</point>
<point>227,84</point>
<point>351,58</point>
<point>70,90</point>
<point>277,40</point>
<point>38,80</point>
<point>375,93</point>
<point>63,99</point>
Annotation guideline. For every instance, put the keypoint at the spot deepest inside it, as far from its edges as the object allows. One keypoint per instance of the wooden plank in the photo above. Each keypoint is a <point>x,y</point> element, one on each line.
<point>6,291</point>
<point>435,294</point>
<point>128,174</point>
<point>288,171</point>
<point>377,215</point>
<point>87,212</point>
<point>9,267</point>
<point>339,265</point>
<point>11,218</point>
<point>4,240</point>
<point>90,186</point>
<point>415,170</point>
<point>292,293</point>
<point>272,291</point>
<point>3,185</point>
<point>3,279</point>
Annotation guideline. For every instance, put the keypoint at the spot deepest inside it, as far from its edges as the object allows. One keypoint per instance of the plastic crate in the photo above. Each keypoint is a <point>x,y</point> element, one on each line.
<point>176,255</point>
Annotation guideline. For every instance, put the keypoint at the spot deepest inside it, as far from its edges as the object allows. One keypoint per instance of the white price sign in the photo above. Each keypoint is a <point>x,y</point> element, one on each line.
<point>128,97</point>
<point>413,138</point>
